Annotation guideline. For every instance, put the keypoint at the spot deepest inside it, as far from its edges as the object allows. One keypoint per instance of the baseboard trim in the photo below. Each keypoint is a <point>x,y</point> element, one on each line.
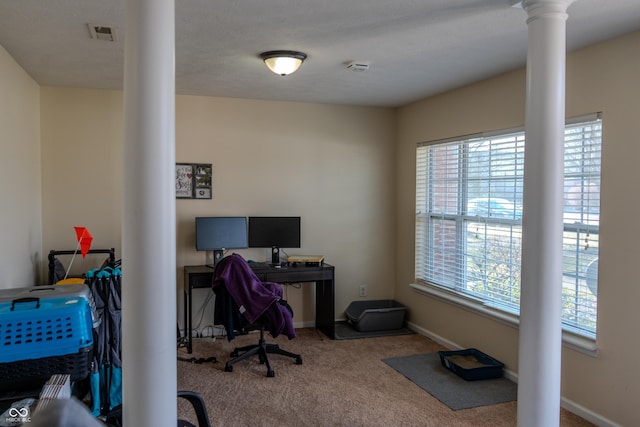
<point>587,414</point>
<point>437,338</point>
<point>307,324</point>
<point>567,404</point>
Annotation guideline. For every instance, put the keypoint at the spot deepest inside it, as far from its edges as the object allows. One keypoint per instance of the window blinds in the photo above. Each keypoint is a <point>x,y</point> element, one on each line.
<point>469,212</point>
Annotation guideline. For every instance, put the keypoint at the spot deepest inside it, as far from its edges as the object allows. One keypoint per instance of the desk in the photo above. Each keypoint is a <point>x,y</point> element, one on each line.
<point>201,276</point>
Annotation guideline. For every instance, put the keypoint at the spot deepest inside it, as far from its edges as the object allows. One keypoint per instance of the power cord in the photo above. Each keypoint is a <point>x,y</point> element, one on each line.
<point>199,360</point>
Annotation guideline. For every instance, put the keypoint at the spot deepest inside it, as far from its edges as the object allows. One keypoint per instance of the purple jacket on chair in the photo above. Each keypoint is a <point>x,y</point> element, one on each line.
<point>254,298</point>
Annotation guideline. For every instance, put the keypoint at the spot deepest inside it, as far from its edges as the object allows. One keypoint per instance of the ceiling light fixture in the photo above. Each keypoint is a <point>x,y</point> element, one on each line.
<point>283,62</point>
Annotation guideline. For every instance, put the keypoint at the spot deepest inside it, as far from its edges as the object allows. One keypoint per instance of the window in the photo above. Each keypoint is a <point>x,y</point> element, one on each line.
<point>469,219</point>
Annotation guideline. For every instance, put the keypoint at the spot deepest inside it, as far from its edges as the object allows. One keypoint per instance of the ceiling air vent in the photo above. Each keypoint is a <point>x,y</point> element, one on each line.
<point>102,32</point>
<point>357,66</point>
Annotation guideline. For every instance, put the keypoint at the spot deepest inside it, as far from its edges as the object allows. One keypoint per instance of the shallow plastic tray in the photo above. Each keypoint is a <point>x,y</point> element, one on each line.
<point>471,364</point>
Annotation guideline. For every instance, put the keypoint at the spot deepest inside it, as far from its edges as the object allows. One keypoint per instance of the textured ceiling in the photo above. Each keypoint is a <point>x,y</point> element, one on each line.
<point>414,48</point>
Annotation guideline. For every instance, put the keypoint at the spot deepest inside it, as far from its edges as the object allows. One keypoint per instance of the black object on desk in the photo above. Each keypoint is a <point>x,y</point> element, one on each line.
<point>200,276</point>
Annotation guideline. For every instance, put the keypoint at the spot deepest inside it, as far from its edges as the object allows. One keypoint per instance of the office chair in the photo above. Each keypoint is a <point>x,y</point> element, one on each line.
<point>245,303</point>
<point>198,406</point>
<point>262,349</point>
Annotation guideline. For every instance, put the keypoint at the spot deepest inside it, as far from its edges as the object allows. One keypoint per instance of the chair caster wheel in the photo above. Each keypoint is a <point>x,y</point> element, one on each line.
<point>298,360</point>
<point>228,368</point>
<point>234,353</point>
<point>271,373</point>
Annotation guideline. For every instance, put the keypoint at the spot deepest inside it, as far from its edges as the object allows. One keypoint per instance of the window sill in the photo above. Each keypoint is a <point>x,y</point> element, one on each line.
<point>570,340</point>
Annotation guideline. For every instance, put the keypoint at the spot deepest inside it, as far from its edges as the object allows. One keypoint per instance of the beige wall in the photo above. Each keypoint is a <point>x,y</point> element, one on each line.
<point>81,170</point>
<point>600,78</point>
<point>20,208</point>
<point>331,165</point>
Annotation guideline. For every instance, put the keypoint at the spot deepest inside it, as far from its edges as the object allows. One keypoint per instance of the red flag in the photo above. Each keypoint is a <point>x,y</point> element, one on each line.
<point>84,240</point>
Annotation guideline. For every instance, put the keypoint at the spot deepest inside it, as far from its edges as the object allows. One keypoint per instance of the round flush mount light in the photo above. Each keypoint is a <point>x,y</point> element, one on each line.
<point>283,62</point>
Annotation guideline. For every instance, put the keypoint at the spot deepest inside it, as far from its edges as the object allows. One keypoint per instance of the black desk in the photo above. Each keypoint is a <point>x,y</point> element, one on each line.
<point>200,276</point>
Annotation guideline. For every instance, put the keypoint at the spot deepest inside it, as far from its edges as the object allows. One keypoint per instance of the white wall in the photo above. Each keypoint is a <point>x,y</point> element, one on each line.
<point>600,78</point>
<point>20,208</point>
<point>331,165</point>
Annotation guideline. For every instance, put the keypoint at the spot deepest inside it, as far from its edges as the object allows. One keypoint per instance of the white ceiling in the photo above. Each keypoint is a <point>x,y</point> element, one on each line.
<point>415,48</point>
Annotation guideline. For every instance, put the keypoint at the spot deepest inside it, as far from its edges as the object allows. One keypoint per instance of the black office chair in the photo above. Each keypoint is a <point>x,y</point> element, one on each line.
<point>262,349</point>
<point>244,303</point>
<point>198,406</point>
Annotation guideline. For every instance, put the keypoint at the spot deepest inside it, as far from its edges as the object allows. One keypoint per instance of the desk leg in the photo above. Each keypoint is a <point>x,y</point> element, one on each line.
<point>325,307</point>
<point>187,319</point>
<point>184,313</point>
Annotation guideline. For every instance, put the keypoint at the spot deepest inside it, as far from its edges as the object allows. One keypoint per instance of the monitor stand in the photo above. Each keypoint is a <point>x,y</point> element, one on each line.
<point>275,255</point>
<point>213,257</point>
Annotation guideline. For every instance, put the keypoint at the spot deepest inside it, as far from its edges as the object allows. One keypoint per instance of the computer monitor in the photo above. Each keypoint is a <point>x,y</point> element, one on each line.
<point>217,233</point>
<point>274,232</point>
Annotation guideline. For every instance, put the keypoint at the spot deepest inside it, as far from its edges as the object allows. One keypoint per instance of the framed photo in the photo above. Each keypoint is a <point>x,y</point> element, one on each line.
<point>202,183</point>
<point>184,181</point>
<point>193,181</point>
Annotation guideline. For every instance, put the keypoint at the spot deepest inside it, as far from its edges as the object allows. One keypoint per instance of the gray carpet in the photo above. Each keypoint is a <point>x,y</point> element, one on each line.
<point>426,371</point>
<point>344,331</point>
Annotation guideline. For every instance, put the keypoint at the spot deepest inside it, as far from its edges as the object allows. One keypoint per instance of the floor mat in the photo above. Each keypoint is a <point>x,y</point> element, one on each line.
<point>426,371</point>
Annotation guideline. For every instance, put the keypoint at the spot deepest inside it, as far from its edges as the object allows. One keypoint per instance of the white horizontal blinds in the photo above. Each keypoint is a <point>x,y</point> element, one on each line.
<point>583,143</point>
<point>436,212</point>
<point>422,247</point>
<point>468,229</point>
<point>493,231</point>
<point>469,213</point>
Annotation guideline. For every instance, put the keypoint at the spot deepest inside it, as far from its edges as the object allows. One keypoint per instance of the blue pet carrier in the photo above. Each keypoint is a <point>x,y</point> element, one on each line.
<point>41,337</point>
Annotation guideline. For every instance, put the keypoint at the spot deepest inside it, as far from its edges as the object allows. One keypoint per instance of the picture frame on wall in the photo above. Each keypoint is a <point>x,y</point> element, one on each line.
<point>202,182</point>
<point>193,181</point>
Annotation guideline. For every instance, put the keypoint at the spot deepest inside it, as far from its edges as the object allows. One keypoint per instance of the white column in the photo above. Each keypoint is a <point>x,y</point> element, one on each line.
<point>149,218</point>
<point>542,225</point>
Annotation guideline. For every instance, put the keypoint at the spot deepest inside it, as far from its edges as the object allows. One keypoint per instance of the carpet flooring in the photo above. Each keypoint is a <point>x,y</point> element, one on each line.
<point>340,383</point>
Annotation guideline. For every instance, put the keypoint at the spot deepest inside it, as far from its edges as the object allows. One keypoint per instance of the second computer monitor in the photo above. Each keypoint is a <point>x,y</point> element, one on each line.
<point>274,232</point>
